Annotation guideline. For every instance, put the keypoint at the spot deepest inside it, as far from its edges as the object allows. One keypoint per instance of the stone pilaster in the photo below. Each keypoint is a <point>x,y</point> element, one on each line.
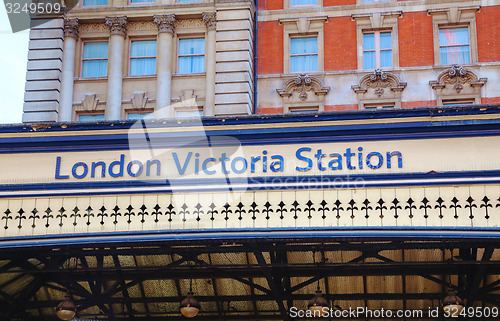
<point>68,69</point>
<point>211,22</point>
<point>166,29</point>
<point>118,29</point>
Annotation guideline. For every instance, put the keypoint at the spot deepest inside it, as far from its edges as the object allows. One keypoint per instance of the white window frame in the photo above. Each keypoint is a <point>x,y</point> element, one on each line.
<point>181,37</point>
<point>93,59</point>
<point>378,50</point>
<point>141,57</point>
<point>306,54</point>
<point>468,44</point>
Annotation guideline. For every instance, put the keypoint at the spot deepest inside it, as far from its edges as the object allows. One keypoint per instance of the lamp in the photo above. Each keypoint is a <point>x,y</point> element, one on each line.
<point>452,304</point>
<point>190,306</point>
<point>317,304</point>
<point>66,310</point>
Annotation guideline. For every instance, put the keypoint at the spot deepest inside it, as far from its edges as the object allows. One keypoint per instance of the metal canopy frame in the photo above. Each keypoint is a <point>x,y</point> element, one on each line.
<point>99,283</point>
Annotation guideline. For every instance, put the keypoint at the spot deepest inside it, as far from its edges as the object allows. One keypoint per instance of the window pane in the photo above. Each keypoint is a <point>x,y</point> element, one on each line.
<point>454,55</point>
<point>95,68</point>
<point>143,48</point>
<point>97,117</point>
<point>136,116</point>
<point>368,41</point>
<point>386,58</point>
<point>192,64</point>
<point>369,60</point>
<point>304,63</point>
<point>95,2</point>
<point>302,2</point>
<point>385,40</point>
<point>95,50</point>
<point>192,46</point>
<point>453,36</point>
<point>303,45</point>
<point>142,66</point>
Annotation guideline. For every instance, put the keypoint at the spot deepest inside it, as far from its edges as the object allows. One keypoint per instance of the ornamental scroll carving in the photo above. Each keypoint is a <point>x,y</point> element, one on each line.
<point>71,27</point>
<point>379,81</point>
<point>457,76</point>
<point>117,25</point>
<point>210,20</point>
<point>165,22</point>
<point>303,84</point>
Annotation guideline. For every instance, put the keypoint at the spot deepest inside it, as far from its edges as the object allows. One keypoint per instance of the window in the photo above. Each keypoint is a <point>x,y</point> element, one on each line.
<point>454,45</point>
<point>303,2</point>
<point>137,116</point>
<point>191,57</point>
<point>457,102</point>
<point>377,49</point>
<point>379,106</point>
<point>303,54</point>
<point>90,117</point>
<point>303,109</point>
<point>95,3</point>
<point>95,59</point>
<point>142,57</point>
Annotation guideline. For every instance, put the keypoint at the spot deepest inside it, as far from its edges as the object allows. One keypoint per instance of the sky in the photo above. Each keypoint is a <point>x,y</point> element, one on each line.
<point>13,60</point>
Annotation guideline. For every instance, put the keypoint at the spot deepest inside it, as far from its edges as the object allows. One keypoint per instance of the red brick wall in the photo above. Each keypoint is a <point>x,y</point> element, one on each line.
<point>488,33</point>
<point>330,3</point>
<point>416,104</point>
<point>340,44</point>
<point>490,100</point>
<point>270,4</point>
<point>270,48</point>
<point>416,46</point>
<point>269,110</point>
<point>341,107</point>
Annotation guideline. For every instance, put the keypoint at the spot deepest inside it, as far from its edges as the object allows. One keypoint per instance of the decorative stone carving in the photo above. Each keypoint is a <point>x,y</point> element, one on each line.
<point>210,20</point>
<point>378,81</point>
<point>139,100</point>
<point>90,102</point>
<point>93,28</point>
<point>303,84</point>
<point>117,25</point>
<point>165,22</point>
<point>140,26</point>
<point>457,76</point>
<point>71,28</point>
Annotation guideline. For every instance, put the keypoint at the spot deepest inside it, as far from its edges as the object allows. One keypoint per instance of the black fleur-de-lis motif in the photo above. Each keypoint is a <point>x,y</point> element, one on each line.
<point>486,204</point>
<point>281,210</point>
<point>498,205</point>
<point>366,207</point>
<point>309,209</point>
<point>170,211</point>
<point>75,215</point>
<point>102,214</point>
<point>410,207</point>
<point>115,214</point>
<point>395,206</point>
<point>47,216</point>
<point>381,207</point>
<point>470,205</point>
<point>441,206</point>
<point>184,211</point>
<point>240,210</point>
<point>129,213</point>
<point>352,208</point>
<point>61,215</point>
<point>323,209</point>
<point>88,214</point>
<point>455,206</point>
<point>33,217</point>
<point>20,216</point>
<point>337,208</point>
<point>226,211</point>
<point>156,212</point>
<point>253,210</point>
<point>267,209</point>
<point>212,211</point>
<point>425,206</point>
<point>197,211</point>
<point>6,216</point>
<point>295,209</point>
<point>142,213</point>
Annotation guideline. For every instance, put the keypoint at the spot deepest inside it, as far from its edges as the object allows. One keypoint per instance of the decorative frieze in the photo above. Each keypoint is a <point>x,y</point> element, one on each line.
<point>210,20</point>
<point>71,27</point>
<point>457,76</point>
<point>165,22</point>
<point>117,25</point>
<point>378,81</point>
<point>303,84</point>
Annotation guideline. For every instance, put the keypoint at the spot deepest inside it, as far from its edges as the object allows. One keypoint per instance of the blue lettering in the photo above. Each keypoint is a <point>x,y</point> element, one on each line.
<point>243,169</point>
<point>85,170</point>
<point>204,166</point>
<point>280,162</point>
<point>139,170</point>
<point>182,169</point>
<point>380,160</point>
<point>304,159</point>
<point>58,169</point>
<point>400,159</point>
<point>120,164</point>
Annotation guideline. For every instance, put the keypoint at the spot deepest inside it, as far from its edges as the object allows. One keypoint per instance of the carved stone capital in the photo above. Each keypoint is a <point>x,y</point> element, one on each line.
<point>117,25</point>
<point>210,20</point>
<point>71,27</point>
<point>165,22</point>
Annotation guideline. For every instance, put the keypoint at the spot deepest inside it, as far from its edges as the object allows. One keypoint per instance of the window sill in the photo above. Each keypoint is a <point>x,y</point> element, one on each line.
<point>196,74</point>
<point>91,79</point>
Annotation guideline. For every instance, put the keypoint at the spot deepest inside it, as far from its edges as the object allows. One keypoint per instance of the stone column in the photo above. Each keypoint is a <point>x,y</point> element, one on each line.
<point>118,28</point>
<point>210,20</point>
<point>68,69</point>
<point>166,29</point>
